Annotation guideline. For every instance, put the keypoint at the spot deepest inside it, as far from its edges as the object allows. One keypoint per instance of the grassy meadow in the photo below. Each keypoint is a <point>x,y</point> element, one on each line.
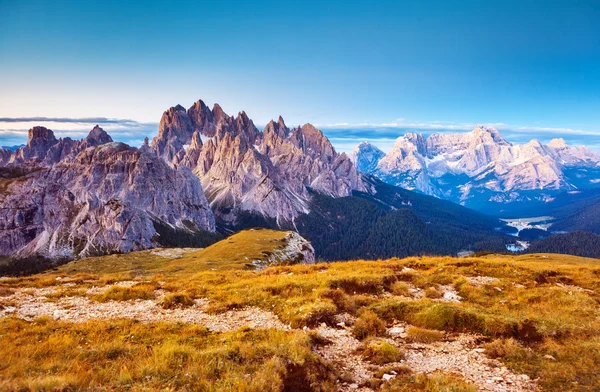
<point>539,314</point>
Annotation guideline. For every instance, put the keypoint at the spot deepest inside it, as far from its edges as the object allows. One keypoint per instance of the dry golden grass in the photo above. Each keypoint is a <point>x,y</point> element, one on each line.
<point>368,325</point>
<point>120,293</point>
<point>48,355</point>
<point>423,335</point>
<point>547,304</point>
<point>433,292</point>
<point>177,300</point>
<point>234,252</point>
<point>436,382</point>
<point>380,352</point>
<point>400,288</point>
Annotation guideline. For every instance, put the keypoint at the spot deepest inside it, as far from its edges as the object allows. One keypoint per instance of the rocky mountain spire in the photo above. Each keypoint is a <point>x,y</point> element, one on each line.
<point>96,137</point>
<point>241,167</point>
<point>39,141</point>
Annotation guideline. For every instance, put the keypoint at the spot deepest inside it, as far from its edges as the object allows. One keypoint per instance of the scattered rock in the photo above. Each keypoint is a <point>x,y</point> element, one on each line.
<point>482,280</point>
<point>387,377</point>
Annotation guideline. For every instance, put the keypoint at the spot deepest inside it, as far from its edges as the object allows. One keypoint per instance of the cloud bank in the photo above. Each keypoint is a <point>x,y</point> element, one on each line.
<point>344,136</point>
<point>13,130</point>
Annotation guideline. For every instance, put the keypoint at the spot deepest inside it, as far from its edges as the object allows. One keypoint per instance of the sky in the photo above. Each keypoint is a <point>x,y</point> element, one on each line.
<point>359,70</point>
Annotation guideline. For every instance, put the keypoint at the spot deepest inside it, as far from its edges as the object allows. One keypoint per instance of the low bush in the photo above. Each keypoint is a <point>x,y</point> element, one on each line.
<point>433,292</point>
<point>400,288</point>
<point>177,300</point>
<point>367,325</point>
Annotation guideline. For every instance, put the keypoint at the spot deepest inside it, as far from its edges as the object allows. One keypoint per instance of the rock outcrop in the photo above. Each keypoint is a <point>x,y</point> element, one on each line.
<point>5,155</point>
<point>92,197</point>
<point>296,250</point>
<point>242,168</point>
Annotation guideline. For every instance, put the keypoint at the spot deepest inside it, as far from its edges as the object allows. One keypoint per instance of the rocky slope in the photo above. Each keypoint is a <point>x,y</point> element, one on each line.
<point>478,166</point>
<point>63,199</point>
<point>244,169</point>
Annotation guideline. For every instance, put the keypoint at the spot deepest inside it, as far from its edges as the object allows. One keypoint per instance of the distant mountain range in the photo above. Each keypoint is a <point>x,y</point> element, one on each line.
<point>480,169</point>
<point>207,174</point>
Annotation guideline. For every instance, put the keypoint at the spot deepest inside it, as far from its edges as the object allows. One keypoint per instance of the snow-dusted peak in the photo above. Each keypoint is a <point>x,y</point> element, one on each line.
<point>366,156</point>
<point>444,162</point>
<point>572,155</point>
<point>484,134</point>
<point>558,143</point>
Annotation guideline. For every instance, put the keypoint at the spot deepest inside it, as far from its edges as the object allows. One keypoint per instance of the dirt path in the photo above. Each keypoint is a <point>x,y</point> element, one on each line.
<point>33,303</point>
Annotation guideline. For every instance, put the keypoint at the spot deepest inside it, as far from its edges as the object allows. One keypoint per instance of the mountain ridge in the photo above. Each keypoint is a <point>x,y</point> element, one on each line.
<point>479,166</point>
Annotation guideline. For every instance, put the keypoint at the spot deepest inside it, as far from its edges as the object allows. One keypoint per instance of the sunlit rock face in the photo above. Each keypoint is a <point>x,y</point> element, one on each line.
<point>64,199</point>
<point>244,169</point>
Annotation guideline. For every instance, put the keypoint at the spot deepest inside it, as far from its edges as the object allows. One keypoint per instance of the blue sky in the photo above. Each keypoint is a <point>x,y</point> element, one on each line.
<point>356,69</point>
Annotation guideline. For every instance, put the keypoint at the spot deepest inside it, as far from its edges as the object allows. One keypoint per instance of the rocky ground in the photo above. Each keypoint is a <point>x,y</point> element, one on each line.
<point>460,354</point>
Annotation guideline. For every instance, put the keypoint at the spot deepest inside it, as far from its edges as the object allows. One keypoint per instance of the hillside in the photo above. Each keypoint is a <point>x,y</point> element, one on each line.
<point>578,243</point>
<point>244,250</point>
<point>169,319</point>
<point>394,222</point>
<point>387,222</point>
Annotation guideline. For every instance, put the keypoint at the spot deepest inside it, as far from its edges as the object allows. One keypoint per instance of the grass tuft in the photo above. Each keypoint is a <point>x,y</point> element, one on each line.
<point>177,300</point>
<point>368,325</point>
<point>422,335</point>
<point>380,352</point>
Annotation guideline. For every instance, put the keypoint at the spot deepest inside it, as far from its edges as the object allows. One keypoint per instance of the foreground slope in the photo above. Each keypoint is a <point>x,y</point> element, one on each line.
<point>423,323</point>
<point>250,249</point>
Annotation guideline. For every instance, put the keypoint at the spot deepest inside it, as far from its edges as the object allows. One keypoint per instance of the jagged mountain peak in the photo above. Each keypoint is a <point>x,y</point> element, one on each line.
<point>219,113</point>
<point>241,167</point>
<point>199,104</point>
<point>478,164</point>
<point>94,196</point>
<point>40,134</point>
<point>281,122</point>
<point>97,136</point>
<point>366,156</point>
